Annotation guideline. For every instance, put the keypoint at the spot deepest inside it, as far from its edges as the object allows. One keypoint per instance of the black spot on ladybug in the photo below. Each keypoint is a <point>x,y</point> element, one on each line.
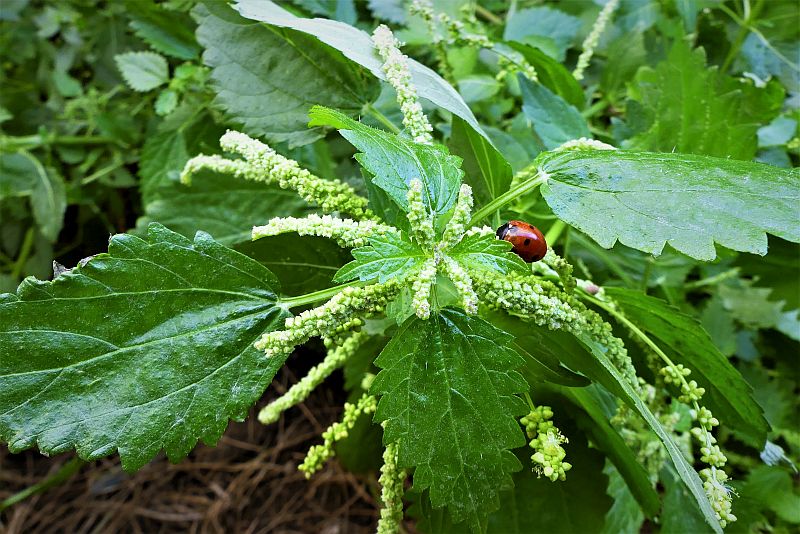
<point>527,241</point>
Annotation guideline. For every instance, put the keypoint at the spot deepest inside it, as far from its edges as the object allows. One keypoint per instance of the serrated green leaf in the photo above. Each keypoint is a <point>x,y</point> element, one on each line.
<point>529,25</point>
<point>394,161</point>
<point>773,488</point>
<point>21,174</point>
<point>487,252</point>
<point>146,347</point>
<point>646,199</point>
<point>599,368</point>
<point>387,256</point>
<point>357,46</point>
<point>142,71</point>
<point>267,79</point>
<point>752,306</point>
<point>554,120</point>
<point>576,505</point>
<point>168,32</point>
<point>687,107</point>
<point>447,397</point>
<point>678,515</point>
<point>485,168</point>
<point>718,322</point>
<point>727,395</point>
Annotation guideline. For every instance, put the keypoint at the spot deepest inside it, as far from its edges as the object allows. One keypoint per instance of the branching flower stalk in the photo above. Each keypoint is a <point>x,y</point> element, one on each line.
<point>395,67</point>
<point>346,232</point>
<point>590,43</point>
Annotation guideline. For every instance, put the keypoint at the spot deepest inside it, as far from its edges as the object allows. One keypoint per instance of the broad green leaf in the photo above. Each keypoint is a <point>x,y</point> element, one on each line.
<point>146,347</point>
<point>540,348</point>
<point>645,200</point>
<point>447,390</point>
<point>599,368</point>
<point>684,106</point>
<point>576,505</point>
<point>387,256</point>
<point>267,78</point>
<point>718,322</point>
<point>487,252</point>
<point>485,168</point>
<point>552,74</point>
<point>531,25</point>
<point>753,307</point>
<point>554,120</point>
<point>356,45</point>
<point>773,488</point>
<point>777,133</point>
<point>596,424</point>
<point>21,174</point>
<point>302,263</point>
<point>394,161</point>
<point>168,32</point>
<point>143,71</point>
<point>478,87</point>
<point>624,516</point>
<point>727,395</point>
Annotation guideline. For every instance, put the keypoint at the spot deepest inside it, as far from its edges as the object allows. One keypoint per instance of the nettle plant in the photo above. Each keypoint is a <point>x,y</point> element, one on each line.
<point>489,377</point>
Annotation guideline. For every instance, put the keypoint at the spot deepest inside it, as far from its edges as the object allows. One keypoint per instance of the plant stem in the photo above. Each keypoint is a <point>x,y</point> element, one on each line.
<point>713,280</point>
<point>316,296</point>
<point>488,15</point>
<point>24,252</point>
<point>64,473</point>
<point>508,196</point>
<point>594,109</point>
<point>25,142</point>
<point>383,119</point>
<point>555,231</point>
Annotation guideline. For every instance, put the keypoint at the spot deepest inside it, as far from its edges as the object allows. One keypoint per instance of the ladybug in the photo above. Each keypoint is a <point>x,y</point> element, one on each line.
<point>528,241</point>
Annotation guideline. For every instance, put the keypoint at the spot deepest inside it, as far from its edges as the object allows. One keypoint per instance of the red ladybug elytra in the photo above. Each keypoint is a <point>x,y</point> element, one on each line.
<point>528,241</point>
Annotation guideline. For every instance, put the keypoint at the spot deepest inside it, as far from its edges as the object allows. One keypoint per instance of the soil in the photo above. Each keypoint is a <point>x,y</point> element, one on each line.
<point>248,483</point>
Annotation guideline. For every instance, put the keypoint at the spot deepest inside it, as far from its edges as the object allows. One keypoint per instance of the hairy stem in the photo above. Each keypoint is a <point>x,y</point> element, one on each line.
<point>508,196</point>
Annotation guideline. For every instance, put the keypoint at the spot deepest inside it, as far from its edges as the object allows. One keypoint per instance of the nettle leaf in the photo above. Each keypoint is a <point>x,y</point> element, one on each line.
<point>169,32</point>
<point>727,395</point>
<point>387,256</point>
<point>447,397</point>
<point>23,175</point>
<point>486,170</point>
<point>394,161</point>
<point>268,78</point>
<point>684,106</point>
<point>646,199</point>
<point>599,368</point>
<point>552,74</point>
<point>149,346</point>
<point>357,46</point>
<point>487,252</point>
<point>143,71</point>
<point>554,120</point>
<point>625,515</point>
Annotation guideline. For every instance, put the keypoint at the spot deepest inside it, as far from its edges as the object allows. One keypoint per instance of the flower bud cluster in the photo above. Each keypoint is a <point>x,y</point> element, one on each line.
<point>331,319</point>
<point>456,31</point>
<point>299,392</point>
<point>319,454</point>
<point>395,67</point>
<point>421,288</point>
<point>546,305</point>
<point>546,440</point>
<point>461,215</point>
<point>463,283</point>
<point>346,232</point>
<point>584,143</point>
<point>509,67</point>
<point>714,476</point>
<point>262,163</point>
<point>480,230</point>
<point>391,481</point>
<point>419,219</point>
<point>563,268</point>
<point>590,43</point>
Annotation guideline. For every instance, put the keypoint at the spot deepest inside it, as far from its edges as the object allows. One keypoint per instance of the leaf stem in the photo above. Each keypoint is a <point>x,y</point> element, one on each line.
<point>509,196</point>
<point>713,280</point>
<point>24,252</point>
<point>555,231</point>
<point>13,143</point>
<point>63,474</point>
<point>316,296</point>
<point>383,119</point>
<point>488,15</point>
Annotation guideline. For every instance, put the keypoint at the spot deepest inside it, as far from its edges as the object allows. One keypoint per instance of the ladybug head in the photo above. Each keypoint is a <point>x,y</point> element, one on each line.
<point>501,232</point>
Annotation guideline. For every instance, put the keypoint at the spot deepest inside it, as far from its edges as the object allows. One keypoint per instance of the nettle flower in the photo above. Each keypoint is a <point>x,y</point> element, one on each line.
<point>418,253</point>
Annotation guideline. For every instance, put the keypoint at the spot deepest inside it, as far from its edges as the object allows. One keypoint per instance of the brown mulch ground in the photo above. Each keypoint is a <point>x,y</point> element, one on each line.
<point>249,483</point>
